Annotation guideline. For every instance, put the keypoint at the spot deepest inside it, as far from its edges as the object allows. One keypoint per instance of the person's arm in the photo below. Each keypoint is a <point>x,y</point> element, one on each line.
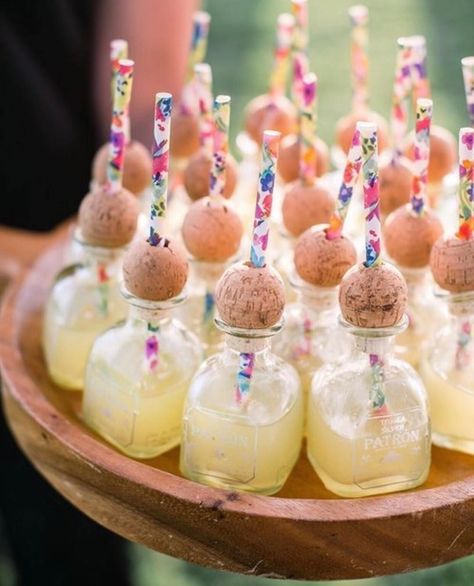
<point>158,34</point>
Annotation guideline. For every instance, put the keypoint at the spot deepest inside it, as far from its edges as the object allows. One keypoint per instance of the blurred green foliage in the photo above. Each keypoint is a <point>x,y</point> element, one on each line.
<point>240,52</point>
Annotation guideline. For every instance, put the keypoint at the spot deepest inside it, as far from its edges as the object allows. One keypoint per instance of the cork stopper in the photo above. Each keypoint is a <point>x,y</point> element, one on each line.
<point>266,111</point>
<point>321,261</point>
<point>346,126</point>
<point>197,175</point>
<point>289,158</point>
<point>452,264</point>
<point>250,297</point>
<point>108,220</point>
<point>409,237</point>
<point>156,273</point>
<point>395,179</point>
<point>184,139</point>
<point>373,297</point>
<point>212,230</point>
<point>136,171</point>
<point>443,153</point>
<point>305,206</point>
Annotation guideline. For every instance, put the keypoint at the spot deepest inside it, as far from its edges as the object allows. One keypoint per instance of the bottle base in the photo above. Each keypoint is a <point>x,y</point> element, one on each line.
<point>65,383</point>
<point>450,442</point>
<point>216,482</point>
<point>386,485</point>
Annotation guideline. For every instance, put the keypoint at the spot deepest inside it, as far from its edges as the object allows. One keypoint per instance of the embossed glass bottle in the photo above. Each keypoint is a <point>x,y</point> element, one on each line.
<point>447,370</point>
<point>137,376</point>
<point>368,422</point>
<point>83,302</point>
<point>251,444</point>
<point>311,336</point>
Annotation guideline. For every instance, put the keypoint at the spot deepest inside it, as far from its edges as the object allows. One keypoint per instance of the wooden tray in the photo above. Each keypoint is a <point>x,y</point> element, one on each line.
<point>303,533</point>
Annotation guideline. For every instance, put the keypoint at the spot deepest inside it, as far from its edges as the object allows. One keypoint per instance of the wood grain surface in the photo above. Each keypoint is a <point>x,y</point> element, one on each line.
<point>304,532</point>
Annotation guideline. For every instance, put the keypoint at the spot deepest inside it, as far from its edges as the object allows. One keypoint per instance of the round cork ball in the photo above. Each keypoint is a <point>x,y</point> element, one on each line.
<point>289,158</point>
<point>346,127</point>
<point>305,206</point>
<point>108,220</point>
<point>269,113</point>
<point>452,264</point>
<point>373,297</point>
<point>321,261</point>
<point>137,166</point>
<point>212,230</point>
<point>156,273</point>
<point>249,297</point>
<point>395,181</point>
<point>184,137</point>
<point>409,238</point>
<point>197,175</point>
<point>443,153</point>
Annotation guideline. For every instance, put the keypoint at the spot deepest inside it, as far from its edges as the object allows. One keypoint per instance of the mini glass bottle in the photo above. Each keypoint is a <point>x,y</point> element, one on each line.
<point>447,369</point>
<point>311,336</point>
<point>425,316</point>
<point>84,301</point>
<point>198,312</point>
<point>368,423</point>
<point>137,376</point>
<point>250,443</point>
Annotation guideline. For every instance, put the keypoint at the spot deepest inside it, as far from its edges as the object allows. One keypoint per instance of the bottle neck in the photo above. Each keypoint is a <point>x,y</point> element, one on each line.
<point>246,345</point>
<point>151,313</point>
<point>374,341</point>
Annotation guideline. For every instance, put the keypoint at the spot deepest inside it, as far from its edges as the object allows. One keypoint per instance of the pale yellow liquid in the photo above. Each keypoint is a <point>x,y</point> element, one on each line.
<point>240,449</point>
<point>452,407</point>
<point>70,328</point>
<point>141,418</point>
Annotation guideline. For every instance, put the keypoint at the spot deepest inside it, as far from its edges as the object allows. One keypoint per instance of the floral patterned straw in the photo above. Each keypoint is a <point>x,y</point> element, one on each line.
<point>468,75</point>
<point>284,36</point>
<point>221,145</point>
<point>300,49</point>
<point>359,18</point>
<point>419,72</point>
<point>263,208</point>
<point>118,50</point>
<point>349,180</point>
<point>160,153</point>
<point>117,141</point>
<point>401,90</point>
<point>466,184</point>
<point>307,129</point>
<point>368,134</point>
<point>198,49</point>
<point>203,88</point>
<point>421,154</point>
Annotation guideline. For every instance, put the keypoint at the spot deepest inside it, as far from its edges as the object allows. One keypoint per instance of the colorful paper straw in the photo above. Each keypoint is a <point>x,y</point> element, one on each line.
<point>419,71</point>
<point>203,88</point>
<point>370,173</point>
<point>160,153</point>
<point>221,145</point>
<point>284,38</point>
<point>198,49</point>
<point>359,18</point>
<point>117,141</point>
<point>307,134</point>
<point>466,184</point>
<point>401,91</point>
<point>421,154</point>
<point>263,208</point>
<point>299,49</point>
<point>349,180</point>
<point>118,50</point>
<point>468,75</point>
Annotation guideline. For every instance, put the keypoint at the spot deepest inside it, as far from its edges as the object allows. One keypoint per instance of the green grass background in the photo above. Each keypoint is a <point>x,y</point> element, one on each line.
<point>240,52</point>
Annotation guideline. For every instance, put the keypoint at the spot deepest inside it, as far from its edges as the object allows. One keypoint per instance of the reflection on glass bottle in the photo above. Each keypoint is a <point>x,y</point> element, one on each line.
<point>243,432</point>
<point>448,373</point>
<point>368,423</point>
<point>137,376</point>
<point>84,301</point>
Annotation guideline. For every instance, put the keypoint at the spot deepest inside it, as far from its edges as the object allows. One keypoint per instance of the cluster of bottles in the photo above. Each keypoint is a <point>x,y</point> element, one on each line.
<point>120,325</point>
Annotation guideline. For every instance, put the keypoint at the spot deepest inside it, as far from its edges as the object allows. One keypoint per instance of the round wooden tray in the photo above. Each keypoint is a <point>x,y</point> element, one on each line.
<point>304,532</point>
